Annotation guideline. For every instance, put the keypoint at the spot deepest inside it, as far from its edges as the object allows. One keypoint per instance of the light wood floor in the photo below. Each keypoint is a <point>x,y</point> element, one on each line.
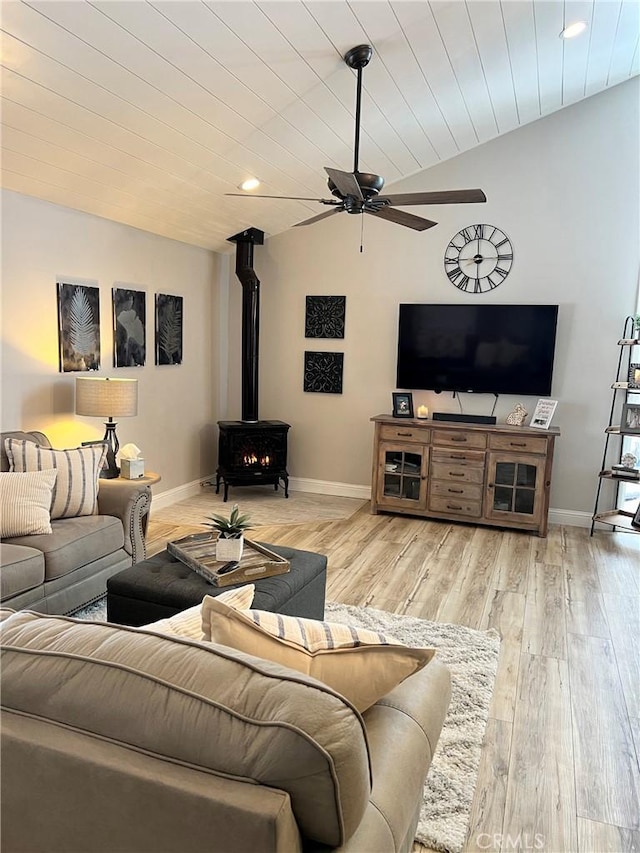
<point>559,771</point>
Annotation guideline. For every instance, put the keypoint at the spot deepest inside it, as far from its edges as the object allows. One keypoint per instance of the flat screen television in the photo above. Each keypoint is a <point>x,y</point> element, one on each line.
<point>495,349</point>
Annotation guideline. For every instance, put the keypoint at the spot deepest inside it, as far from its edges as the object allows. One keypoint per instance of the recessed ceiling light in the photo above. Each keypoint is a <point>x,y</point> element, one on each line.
<point>249,184</point>
<point>573,30</point>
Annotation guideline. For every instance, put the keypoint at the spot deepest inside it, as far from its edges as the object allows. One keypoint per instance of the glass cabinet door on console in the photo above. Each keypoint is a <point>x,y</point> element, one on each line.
<point>402,475</point>
<point>514,486</point>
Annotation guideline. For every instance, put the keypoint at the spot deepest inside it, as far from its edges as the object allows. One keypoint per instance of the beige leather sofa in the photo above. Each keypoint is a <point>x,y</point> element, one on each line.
<point>61,571</point>
<point>122,740</point>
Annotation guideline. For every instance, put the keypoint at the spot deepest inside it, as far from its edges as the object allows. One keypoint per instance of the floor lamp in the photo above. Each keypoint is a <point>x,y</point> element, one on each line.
<point>107,398</point>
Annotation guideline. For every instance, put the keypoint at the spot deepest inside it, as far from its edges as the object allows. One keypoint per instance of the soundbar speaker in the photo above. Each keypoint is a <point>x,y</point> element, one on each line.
<point>464,419</point>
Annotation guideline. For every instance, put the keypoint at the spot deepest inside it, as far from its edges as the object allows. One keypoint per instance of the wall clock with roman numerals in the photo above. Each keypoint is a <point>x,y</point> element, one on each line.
<point>478,258</point>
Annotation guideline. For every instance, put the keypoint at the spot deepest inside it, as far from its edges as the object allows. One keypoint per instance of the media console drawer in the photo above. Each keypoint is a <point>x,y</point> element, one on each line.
<point>405,433</point>
<point>449,489</point>
<point>459,438</point>
<point>456,506</point>
<point>453,472</point>
<point>518,444</point>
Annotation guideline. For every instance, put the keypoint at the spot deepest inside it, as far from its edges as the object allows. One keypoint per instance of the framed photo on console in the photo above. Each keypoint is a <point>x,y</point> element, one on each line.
<point>402,405</point>
<point>543,413</point>
<point>635,521</point>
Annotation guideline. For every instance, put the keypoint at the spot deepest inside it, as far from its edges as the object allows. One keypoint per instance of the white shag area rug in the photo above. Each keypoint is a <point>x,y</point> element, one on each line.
<point>472,658</point>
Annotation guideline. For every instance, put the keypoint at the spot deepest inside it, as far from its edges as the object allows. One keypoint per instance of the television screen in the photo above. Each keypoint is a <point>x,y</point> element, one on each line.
<point>496,349</point>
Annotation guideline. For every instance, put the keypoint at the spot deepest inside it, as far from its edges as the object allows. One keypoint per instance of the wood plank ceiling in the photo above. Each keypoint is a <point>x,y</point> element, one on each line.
<point>146,113</point>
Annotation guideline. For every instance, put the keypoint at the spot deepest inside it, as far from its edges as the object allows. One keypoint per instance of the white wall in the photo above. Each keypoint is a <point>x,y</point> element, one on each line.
<point>177,408</point>
<point>565,190</point>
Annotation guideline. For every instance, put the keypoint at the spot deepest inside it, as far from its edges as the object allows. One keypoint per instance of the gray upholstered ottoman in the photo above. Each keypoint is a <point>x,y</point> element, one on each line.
<point>163,586</point>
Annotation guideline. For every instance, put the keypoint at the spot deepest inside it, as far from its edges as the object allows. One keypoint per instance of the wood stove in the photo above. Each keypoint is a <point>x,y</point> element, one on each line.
<point>252,454</point>
<point>251,451</point>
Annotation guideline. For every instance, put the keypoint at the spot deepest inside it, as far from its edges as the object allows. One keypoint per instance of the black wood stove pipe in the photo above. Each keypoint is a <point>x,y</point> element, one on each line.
<point>245,242</point>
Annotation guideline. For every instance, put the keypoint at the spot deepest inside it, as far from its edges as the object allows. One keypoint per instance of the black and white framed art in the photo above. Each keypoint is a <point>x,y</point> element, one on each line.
<point>168,329</point>
<point>323,372</point>
<point>78,327</point>
<point>324,316</point>
<point>129,327</point>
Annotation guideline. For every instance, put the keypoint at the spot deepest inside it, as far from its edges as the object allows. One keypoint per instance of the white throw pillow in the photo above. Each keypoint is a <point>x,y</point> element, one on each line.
<point>188,623</point>
<point>25,499</point>
<point>76,488</point>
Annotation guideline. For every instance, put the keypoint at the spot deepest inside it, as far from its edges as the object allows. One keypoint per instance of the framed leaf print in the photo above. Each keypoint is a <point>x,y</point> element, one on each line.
<point>168,329</point>
<point>129,327</point>
<point>78,327</point>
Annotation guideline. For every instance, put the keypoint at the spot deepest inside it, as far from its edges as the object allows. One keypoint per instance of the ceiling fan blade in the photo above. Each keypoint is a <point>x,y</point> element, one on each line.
<point>441,197</point>
<point>345,181</point>
<point>287,197</point>
<point>318,217</point>
<point>401,217</point>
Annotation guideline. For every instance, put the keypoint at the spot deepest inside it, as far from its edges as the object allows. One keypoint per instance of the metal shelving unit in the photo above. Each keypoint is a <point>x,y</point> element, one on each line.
<point>615,517</point>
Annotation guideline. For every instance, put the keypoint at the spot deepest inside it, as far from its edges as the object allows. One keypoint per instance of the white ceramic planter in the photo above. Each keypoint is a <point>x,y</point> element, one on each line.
<point>229,549</point>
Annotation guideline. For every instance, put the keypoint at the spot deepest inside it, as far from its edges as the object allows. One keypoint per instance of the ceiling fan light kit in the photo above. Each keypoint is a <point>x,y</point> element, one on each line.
<point>358,192</point>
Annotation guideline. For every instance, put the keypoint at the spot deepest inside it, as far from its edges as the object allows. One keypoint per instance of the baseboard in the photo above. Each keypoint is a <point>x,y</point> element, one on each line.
<point>571,518</point>
<point>327,487</point>
<point>180,493</point>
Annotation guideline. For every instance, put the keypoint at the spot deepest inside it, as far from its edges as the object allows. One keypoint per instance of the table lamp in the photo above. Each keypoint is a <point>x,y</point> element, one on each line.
<point>107,398</point>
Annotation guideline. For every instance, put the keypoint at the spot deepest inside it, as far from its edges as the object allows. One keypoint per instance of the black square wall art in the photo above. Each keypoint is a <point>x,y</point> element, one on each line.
<point>168,329</point>
<point>78,327</point>
<point>324,316</point>
<point>323,372</point>
<point>129,327</point>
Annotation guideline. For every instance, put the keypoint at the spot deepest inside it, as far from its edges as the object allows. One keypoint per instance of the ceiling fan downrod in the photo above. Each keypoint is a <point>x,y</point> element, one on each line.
<point>358,58</point>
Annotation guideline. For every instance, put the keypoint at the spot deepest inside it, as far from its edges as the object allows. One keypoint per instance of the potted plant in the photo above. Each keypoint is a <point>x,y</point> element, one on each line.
<point>231,539</point>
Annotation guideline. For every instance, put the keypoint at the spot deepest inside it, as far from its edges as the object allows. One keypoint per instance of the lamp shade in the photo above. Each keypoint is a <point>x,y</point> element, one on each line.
<point>106,398</point>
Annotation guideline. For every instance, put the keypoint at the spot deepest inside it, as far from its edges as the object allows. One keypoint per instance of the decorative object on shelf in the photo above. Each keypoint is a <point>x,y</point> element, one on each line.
<point>423,412</point>
<point>129,327</point>
<point>628,460</point>
<point>543,413</point>
<point>78,327</point>
<point>630,421</point>
<point>517,416</point>
<point>634,376</point>
<point>168,329</point>
<point>324,316</point>
<point>230,542</point>
<point>402,405</point>
<point>478,258</point>
<point>323,372</point>
<point>107,398</point>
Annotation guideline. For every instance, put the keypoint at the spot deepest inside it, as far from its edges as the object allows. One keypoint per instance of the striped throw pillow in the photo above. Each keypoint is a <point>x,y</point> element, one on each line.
<point>361,665</point>
<point>188,623</point>
<point>25,499</point>
<point>76,488</point>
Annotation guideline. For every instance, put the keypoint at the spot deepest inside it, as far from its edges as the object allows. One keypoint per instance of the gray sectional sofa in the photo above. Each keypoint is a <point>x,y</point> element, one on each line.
<point>61,571</point>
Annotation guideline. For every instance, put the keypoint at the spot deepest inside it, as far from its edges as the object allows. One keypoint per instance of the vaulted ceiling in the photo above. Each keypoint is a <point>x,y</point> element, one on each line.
<point>147,113</point>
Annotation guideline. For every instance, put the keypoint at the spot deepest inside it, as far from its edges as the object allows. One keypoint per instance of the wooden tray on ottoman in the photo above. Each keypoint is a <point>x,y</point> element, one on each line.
<point>198,551</point>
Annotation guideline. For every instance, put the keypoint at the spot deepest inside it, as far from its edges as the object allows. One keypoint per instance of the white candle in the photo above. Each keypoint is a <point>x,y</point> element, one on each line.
<point>423,412</point>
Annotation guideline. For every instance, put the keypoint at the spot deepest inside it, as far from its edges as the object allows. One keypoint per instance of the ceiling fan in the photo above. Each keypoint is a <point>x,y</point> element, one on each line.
<point>359,192</point>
